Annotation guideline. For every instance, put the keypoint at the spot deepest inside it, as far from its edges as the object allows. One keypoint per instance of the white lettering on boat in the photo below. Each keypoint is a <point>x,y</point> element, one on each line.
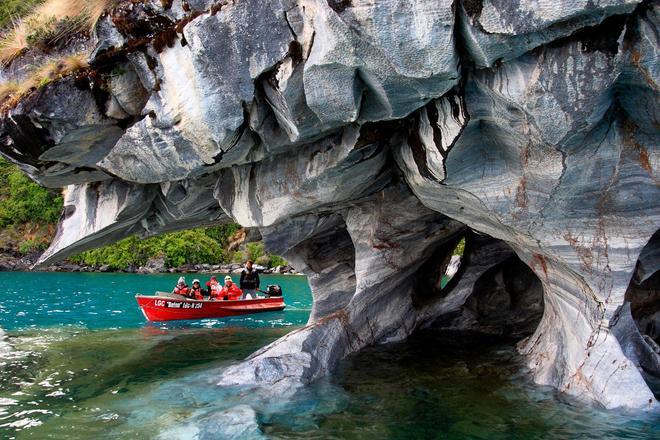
<point>177,304</point>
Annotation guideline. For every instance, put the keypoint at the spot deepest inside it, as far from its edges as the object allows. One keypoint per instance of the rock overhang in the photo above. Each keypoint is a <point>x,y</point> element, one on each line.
<point>361,137</point>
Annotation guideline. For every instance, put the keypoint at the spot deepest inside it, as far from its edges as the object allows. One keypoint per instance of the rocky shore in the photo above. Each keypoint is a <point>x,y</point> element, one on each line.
<point>13,262</point>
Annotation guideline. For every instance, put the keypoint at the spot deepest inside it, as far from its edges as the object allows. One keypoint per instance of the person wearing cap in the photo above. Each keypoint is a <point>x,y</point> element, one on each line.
<point>181,287</point>
<point>249,281</point>
<point>196,291</point>
<point>230,291</point>
<point>213,287</point>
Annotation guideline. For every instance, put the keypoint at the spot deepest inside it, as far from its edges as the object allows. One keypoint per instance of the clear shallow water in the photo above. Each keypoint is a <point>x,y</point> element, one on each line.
<point>74,375</point>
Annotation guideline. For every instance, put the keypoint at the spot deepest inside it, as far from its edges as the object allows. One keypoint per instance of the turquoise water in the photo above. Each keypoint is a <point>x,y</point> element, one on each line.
<point>84,364</point>
<point>107,300</point>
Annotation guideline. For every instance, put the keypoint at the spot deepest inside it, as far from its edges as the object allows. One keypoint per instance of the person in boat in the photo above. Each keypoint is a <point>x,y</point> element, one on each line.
<point>249,281</point>
<point>230,291</point>
<point>213,287</point>
<point>181,287</point>
<point>196,291</point>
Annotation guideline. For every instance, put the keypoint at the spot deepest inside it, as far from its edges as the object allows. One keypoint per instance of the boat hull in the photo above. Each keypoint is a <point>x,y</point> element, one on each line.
<point>168,308</point>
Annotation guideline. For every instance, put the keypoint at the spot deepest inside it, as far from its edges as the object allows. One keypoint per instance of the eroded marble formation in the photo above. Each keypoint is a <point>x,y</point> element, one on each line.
<point>362,138</point>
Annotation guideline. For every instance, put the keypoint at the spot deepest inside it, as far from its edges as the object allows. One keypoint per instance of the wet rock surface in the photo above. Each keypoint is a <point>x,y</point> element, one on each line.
<point>362,138</point>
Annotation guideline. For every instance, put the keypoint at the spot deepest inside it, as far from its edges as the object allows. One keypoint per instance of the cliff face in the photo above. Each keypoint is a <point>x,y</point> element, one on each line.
<point>363,139</point>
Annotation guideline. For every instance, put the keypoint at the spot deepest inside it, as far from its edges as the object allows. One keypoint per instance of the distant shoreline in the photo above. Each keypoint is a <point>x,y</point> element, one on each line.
<point>24,264</point>
<point>296,274</point>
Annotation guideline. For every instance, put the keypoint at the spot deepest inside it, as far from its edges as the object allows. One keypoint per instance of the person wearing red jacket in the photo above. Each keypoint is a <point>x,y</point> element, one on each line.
<point>230,291</point>
<point>214,288</point>
<point>181,287</point>
<point>196,291</point>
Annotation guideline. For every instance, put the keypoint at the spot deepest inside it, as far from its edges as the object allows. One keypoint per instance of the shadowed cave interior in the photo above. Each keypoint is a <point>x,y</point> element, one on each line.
<point>505,303</point>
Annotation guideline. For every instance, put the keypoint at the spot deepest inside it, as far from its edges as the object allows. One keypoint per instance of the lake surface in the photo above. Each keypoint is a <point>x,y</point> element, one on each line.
<point>107,300</point>
<point>79,361</point>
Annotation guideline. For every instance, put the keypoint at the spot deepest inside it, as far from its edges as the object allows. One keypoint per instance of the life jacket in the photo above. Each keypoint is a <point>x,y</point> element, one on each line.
<point>185,290</point>
<point>249,279</point>
<point>197,293</point>
<point>214,289</point>
<point>217,287</point>
<point>231,293</point>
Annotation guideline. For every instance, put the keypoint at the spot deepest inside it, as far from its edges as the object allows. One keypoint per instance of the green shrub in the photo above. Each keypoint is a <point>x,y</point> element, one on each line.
<point>45,34</point>
<point>11,10</point>
<point>22,200</point>
<point>192,246</point>
<point>124,253</point>
<point>264,260</point>
<point>41,33</point>
<point>460,247</point>
<point>29,246</point>
<point>238,257</point>
<point>255,250</point>
<point>222,233</point>
<point>276,260</point>
<point>186,247</point>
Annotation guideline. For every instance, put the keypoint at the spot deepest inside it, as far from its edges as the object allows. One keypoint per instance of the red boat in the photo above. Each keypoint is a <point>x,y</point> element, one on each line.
<point>169,307</point>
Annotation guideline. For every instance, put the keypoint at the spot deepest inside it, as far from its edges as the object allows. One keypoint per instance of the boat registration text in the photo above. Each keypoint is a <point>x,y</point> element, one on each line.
<point>177,304</point>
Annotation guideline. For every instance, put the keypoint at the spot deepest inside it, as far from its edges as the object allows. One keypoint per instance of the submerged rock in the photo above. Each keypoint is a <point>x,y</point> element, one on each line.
<point>238,422</point>
<point>363,139</point>
<point>5,348</point>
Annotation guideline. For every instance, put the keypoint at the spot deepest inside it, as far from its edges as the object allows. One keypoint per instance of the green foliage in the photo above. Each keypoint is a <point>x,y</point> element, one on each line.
<point>31,245</point>
<point>41,33</point>
<point>264,260</point>
<point>255,250</point>
<point>276,260</point>
<point>186,247</point>
<point>192,246</point>
<point>130,251</point>
<point>14,9</point>
<point>238,257</point>
<point>24,204</point>
<point>222,233</point>
<point>22,200</point>
<point>460,247</point>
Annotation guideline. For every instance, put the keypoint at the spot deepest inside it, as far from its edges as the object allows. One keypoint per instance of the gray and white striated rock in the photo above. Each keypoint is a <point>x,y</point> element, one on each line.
<point>198,112</point>
<point>103,212</point>
<point>361,53</point>
<point>97,213</point>
<point>363,139</point>
<point>326,172</point>
<point>552,187</point>
<point>499,30</point>
<point>372,303</point>
<point>58,134</point>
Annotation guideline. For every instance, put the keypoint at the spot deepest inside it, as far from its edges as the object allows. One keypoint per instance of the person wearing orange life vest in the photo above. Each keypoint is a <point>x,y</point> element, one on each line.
<point>181,287</point>
<point>196,291</point>
<point>230,291</point>
<point>214,288</point>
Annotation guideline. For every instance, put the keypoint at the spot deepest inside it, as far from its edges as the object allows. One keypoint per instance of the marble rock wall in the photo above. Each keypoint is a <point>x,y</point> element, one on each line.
<point>362,138</point>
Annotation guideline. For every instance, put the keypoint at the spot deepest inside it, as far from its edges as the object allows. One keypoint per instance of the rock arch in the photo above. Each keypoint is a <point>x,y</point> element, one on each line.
<point>359,148</point>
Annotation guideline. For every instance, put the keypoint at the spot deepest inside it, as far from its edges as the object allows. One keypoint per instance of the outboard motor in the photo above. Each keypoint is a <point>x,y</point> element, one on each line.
<point>274,290</point>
